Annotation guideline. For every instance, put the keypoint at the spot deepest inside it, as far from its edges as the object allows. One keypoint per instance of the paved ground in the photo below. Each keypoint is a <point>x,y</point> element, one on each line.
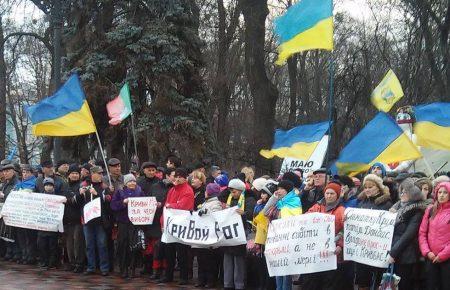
<point>14,276</point>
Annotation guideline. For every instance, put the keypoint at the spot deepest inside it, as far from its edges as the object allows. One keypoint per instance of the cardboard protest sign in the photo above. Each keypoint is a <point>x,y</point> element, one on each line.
<point>92,210</point>
<point>217,229</point>
<point>141,210</point>
<point>36,211</point>
<point>368,236</point>
<point>301,244</point>
<point>315,162</point>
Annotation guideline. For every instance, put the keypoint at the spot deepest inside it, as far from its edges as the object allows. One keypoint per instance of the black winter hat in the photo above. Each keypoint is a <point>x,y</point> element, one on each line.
<point>46,163</point>
<point>294,178</point>
<point>286,185</point>
<point>73,168</point>
<point>61,162</point>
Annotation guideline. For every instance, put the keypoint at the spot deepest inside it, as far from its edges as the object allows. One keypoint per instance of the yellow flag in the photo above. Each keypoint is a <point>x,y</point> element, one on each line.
<point>387,93</point>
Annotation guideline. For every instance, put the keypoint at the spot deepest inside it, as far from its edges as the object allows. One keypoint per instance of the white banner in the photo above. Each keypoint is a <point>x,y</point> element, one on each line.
<point>315,162</point>
<point>301,244</point>
<point>368,236</point>
<point>36,211</point>
<point>92,210</point>
<point>141,210</point>
<point>217,229</point>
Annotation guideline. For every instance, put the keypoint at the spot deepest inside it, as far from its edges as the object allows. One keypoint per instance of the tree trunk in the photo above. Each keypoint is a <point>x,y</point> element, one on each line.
<point>264,93</point>
<point>2,94</point>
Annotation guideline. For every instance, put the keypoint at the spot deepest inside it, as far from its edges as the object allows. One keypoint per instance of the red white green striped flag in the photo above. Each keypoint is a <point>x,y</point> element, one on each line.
<point>119,108</point>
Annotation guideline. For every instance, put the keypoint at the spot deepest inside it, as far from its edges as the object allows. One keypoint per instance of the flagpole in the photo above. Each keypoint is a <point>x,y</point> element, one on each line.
<point>330,105</point>
<point>103,156</point>
<point>134,136</point>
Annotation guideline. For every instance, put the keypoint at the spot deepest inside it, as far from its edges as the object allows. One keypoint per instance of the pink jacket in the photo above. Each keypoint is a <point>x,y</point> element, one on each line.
<point>434,234</point>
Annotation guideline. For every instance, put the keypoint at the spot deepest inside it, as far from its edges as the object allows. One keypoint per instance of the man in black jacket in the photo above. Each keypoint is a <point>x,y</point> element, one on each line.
<point>311,196</point>
<point>8,233</point>
<point>149,178</point>
<point>73,230</point>
<point>49,171</point>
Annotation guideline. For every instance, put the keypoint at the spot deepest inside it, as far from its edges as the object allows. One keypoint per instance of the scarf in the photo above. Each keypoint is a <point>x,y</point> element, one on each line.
<point>241,201</point>
<point>289,205</point>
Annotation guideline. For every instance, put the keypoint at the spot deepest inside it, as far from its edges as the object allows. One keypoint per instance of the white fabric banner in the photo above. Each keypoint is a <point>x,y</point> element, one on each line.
<point>36,211</point>
<point>217,229</point>
<point>301,244</point>
<point>314,162</point>
<point>141,210</point>
<point>92,210</point>
<point>368,236</point>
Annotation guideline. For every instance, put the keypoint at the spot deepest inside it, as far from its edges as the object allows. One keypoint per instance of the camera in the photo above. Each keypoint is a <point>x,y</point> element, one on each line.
<point>87,188</point>
<point>202,212</point>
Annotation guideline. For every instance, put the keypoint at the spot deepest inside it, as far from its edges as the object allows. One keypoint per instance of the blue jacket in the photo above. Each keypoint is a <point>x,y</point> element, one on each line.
<point>29,183</point>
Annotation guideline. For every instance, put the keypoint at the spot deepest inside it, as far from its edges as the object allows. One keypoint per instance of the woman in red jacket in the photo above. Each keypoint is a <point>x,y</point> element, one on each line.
<point>434,239</point>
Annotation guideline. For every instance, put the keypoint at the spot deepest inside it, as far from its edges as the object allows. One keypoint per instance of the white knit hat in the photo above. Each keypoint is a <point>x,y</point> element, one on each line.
<point>127,178</point>
<point>236,184</point>
<point>259,183</point>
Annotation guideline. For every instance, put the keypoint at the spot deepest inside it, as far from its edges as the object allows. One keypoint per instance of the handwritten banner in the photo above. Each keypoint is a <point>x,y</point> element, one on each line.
<point>92,210</point>
<point>36,211</point>
<point>217,229</point>
<point>301,244</point>
<point>368,236</point>
<point>141,210</point>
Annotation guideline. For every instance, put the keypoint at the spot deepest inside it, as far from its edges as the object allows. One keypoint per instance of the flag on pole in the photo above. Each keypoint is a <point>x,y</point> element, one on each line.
<point>387,93</point>
<point>119,108</point>
<point>381,140</point>
<point>298,142</point>
<point>306,25</point>
<point>66,113</point>
<point>432,127</point>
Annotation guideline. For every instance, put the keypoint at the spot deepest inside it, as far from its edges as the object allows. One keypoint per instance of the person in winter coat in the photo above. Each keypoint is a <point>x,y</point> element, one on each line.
<point>311,195</point>
<point>127,231</point>
<point>434,239</point>
<point>334,279</point>
<point>198,185</point>
<point>26,238</point>
<point>94,230</point>
<point>47,242</point>
<point>349,194</point>
<point>149,178</point>
<point>155,254</point>
<point>8,233</point>
<point>375,195</point>
<point>405,247</point>
<point>73,230</point>
<point>208,259</point>
<point>180,196</point>
<point>234,264</point>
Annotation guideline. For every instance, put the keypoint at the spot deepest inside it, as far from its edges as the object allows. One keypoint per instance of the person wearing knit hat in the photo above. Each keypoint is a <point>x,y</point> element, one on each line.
<point>378,169</point>
<point>208,259</point>
<point>374,196</point>
<point>125,238</point>
<point>405,247</point>
<point>234,261</point>
<point>434,238</point>
<point>259,183</point>
<point>222,181</point>
<point>439,179</point>
<point>330,205</point>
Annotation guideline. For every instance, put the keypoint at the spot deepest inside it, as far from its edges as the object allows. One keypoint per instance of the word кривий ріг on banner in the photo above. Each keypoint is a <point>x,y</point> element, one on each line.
<point>368,236</point>
<point>301,244</point>
<point>216,229</point>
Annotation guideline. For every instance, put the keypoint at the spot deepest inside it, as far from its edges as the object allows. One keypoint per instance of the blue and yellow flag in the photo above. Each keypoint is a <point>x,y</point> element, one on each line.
<point>381,140</point>
<point>306,25</point>
<point>432,127</point>
<point>66,113</point>
<point>387,93</point>
<point>299,142</point>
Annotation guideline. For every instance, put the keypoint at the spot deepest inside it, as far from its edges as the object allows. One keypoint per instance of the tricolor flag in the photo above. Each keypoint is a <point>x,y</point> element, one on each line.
<point>66,113</point>
<point>387,93</point>
<point>120,108</point>
<point>298,142</point>
<point>381,140</point>
<point>432,126</point>
<point>306,25</point>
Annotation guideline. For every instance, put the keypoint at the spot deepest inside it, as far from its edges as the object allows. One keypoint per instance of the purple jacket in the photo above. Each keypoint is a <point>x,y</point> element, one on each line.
<point>120,209</point>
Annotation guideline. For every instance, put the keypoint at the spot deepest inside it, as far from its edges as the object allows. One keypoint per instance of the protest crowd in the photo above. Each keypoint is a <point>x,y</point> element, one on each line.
<point>111,243</point>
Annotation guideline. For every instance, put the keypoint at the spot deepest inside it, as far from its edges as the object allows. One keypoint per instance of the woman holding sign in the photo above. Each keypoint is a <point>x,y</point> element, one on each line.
<point>119,204</point>
<point>374,196</point>
<point>405,247</point>
<point>434,239</point>
<point>330,204</point>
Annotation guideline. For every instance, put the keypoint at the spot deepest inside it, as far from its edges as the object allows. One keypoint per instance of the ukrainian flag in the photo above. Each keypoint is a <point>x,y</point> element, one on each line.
<point>432,127</point>
<point>299,142</point>
<point>387,93</point>
<point>66,113</point>
<point>382,140</point>
<point>306,25</point>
